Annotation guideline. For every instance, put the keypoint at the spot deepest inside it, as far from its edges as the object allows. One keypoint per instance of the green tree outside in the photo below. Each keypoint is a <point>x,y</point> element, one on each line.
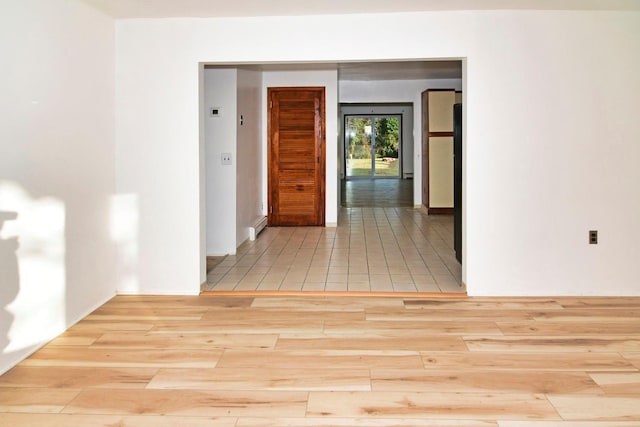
<point>359,145</point>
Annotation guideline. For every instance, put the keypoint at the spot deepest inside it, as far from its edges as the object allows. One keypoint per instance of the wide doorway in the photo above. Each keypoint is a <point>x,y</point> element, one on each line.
<point>377,155</point>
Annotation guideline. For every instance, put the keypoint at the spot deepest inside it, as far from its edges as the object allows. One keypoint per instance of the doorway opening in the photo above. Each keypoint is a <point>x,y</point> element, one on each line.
<point>377,155</point>
<point>392,95</point>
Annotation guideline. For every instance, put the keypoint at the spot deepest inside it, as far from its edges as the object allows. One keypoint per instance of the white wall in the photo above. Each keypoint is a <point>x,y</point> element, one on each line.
<point>220,87</point>
<point>57,257</point>
<point>399,91</point>
<point>392,90</point>
<point>329,80</point>
<point>550,151</point>
<point>250,151</point>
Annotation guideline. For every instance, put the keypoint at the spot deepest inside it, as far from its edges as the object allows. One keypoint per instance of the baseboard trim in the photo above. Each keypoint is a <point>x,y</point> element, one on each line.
<point>440,211</point>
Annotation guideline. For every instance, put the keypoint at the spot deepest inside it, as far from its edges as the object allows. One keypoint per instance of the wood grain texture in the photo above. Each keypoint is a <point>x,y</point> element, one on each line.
<point>188,402</point>
<point>483,382</point>
<point>296,155</point>
<point>77,378</point>
<point>559,344</point>
<point>79,420</point>
<point>526,361</point>
<point>124,358</point>
<point>195,341</point>
<point>336,361</point>
<point>430,405</point>
<point>566,424</point>
<point>318,359</point>
<point>604,408</point>
<point>25,399</point>
<point>359,422</point>
<point>615,383</point>
<point>264,378</point>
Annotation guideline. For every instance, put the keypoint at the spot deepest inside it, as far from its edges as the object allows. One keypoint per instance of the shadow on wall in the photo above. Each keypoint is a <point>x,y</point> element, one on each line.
<point>33,284</point>
<point>9,278</point>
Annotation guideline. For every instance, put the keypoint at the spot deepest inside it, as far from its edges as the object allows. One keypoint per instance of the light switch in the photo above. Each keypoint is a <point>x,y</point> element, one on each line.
<point>226,158</point>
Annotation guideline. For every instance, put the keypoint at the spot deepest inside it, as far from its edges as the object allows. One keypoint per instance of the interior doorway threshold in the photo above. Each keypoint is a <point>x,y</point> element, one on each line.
<point>367,294</point>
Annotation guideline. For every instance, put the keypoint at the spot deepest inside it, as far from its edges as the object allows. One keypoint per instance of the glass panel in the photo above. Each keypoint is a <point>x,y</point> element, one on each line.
<point>358,146</point>
<point>387,136</point>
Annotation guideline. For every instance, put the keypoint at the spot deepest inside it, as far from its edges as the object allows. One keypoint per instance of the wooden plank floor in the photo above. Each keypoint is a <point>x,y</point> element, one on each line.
<point>336,361</point>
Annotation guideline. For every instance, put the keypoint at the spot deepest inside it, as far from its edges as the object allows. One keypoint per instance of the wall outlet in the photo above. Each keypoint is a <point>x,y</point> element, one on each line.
<point>593,237</point>
<point>226,158</point>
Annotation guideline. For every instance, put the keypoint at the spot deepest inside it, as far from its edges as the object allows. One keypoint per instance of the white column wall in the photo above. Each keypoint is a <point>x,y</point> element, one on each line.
<point>550,148</point>
<point>57,142</point>
<point>221,134</point>
<point>250,151</point>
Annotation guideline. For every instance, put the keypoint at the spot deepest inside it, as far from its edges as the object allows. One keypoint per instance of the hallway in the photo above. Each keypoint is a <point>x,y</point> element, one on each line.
<point>380,193</point>
<point>400,250</point>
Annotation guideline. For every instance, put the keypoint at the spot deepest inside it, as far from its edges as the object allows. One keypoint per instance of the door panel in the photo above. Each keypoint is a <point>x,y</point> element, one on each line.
<point>441,171</point>
<point>387,145</point>
<point>358,146</point>
<point>296,156</point>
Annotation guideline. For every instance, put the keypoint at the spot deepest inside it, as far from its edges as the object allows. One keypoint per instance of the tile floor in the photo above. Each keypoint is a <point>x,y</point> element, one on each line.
<point>379,192</point>
<point>372,250</point>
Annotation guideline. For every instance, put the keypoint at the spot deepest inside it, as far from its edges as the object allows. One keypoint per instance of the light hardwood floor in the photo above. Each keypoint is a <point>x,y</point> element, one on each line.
<point>329,361</point>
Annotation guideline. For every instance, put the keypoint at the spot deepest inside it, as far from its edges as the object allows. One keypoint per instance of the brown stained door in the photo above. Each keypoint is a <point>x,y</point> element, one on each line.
<point>296,156</point>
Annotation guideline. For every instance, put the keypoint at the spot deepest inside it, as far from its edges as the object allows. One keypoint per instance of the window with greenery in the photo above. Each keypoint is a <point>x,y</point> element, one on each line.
<point>372,145</point>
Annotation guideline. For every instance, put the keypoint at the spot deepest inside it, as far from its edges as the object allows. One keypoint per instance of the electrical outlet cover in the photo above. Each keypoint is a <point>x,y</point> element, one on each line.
<point>226,158</point>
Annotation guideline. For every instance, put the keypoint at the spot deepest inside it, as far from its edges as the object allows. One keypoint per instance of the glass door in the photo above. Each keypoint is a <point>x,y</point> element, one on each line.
<point>387,146</point>
<point>372,146</point>
<point>358,146</point>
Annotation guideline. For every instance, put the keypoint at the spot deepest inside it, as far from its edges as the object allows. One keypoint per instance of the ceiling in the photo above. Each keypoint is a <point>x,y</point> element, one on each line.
<point>368,71</point>
<point>237,8</point>
<point>400,70</point>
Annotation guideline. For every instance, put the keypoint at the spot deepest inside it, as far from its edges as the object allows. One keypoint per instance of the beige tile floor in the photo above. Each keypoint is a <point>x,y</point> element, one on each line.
<point>372,250</point>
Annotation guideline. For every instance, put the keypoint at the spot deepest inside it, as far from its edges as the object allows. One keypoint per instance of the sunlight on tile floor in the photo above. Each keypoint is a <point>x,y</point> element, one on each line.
<point>372,250</point>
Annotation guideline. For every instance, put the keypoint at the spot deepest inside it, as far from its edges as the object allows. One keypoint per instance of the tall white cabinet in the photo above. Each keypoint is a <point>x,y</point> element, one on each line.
<point>437,149</point>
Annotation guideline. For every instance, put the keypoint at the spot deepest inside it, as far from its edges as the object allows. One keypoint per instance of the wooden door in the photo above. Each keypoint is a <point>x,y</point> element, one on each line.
<point>296,129</point>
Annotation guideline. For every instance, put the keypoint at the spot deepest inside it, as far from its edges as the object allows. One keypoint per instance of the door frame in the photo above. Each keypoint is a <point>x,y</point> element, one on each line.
<point>316,66</point>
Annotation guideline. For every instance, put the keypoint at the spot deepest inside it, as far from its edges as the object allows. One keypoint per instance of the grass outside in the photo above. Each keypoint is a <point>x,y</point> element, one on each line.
<point>362,167</point>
